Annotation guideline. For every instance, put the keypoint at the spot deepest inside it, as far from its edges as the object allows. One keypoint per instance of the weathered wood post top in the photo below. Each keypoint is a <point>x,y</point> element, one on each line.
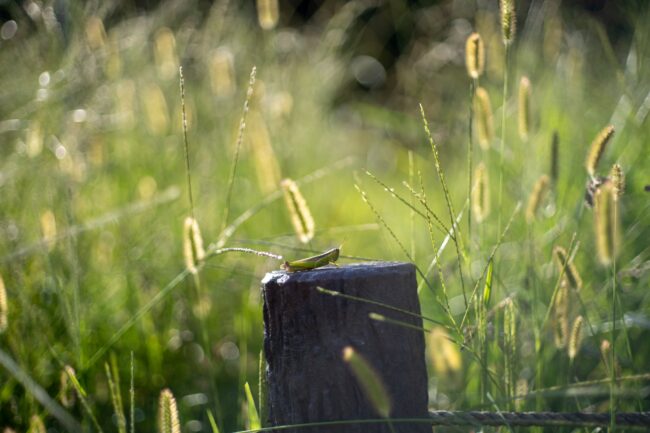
<point>305,332</point>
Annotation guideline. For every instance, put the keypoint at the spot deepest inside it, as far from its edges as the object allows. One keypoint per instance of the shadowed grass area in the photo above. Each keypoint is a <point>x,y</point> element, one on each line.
<point>94,175</point>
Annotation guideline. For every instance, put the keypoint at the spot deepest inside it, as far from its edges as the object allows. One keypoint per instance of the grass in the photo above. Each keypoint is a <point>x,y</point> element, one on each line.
<point>94,175</point>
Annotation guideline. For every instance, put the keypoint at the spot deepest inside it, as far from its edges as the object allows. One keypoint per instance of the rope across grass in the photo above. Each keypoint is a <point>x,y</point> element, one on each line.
<point>480,418</point>
<point>629,419</point>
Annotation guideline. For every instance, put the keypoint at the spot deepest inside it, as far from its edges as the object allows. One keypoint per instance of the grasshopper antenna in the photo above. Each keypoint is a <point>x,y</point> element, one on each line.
<point>187,151</point>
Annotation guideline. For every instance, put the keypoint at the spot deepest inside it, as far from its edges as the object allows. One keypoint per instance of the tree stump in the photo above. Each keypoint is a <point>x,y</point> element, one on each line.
<point>305,332</point>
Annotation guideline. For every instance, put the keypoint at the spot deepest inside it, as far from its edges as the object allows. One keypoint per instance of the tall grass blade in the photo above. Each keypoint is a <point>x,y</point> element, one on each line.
<point>213,423</point>
<point>112,374</point>
<point>370,381</point>
<point>81,393</point>
<point>240,137</point>
<point>253,417</point>
<point>132,396</point>
<point>187,148</point>
<point>450,207</point>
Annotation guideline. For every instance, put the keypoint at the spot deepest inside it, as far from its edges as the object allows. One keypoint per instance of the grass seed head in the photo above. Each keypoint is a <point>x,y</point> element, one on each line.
<point>606,221</point>
<point>222,72</point>
<point>444,353</point>
<point>67,394</point>
<point>481,193</point>
<point>4,307</point>
<point>567,267</point>
<point>303,222</point>
<point>617,178</point>
<point>474,56</point>
<point>267,167</point>
<point>268,13</point>
<point>370,381</point>
<point>606,353</point>
<point>524,108</point>
<point>484,122</point>
<point>508,21</point>
<point>537,197</point>
<point>36,425</point>
<point>168,413</point>
<point>193,250</point>
<point>48,228</point>
<point>576,338</point>
<point>561,328</point>
<point>597,149</point>
<point>165,52</point>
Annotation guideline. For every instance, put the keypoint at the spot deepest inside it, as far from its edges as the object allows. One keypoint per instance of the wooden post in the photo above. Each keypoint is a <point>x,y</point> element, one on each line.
<point>305,332</point>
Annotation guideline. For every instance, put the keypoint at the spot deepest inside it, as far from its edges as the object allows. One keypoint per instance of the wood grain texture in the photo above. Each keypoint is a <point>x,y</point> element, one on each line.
<point>305,332</point>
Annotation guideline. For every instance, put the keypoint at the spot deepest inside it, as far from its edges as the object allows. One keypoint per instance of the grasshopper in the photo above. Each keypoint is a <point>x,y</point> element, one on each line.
<point>329,256</point>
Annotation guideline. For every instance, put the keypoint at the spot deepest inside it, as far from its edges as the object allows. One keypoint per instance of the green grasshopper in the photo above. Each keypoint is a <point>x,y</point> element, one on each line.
<point>329,256</point>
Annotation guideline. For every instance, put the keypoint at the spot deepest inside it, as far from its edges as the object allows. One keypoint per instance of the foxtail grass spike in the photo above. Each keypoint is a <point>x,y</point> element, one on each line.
<point>606,353</point>
<point>617,178</point>
<point>267,167</point>
<point>168,413</point>
<point>524,108</point>
<point>369,380</point>
<point>481,194</point>
<point>508,21</point>
<point>567,267</point>
<point>240,138</point>
<point>222,72</point>
<point>597,149</point>
<point>484,122</point>
<point>48,228</point>
<point>510,344</point>
<point>303,222</point>
<point>555,155</point>
<point>444,353</point>
<point>4,307</point>
<point>576,338</point>
<point>67,394</point>
<point>36,425</point>
<point>606,223</point>
<point>185,142</point>
<point>537,197</point>
<point>193,250</point>
<point>268,13</point>
<point>474,56</point>
<point>561,327</point>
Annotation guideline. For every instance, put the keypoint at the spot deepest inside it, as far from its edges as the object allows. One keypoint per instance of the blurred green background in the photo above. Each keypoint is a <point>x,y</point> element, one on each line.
<point>93,188</point>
